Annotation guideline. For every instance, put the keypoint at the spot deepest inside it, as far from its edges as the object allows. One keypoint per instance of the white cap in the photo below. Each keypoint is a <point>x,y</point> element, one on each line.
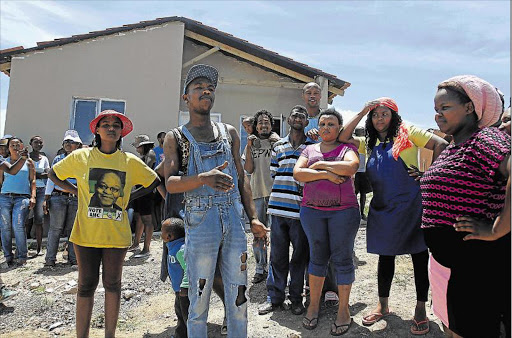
<point>72,135</point>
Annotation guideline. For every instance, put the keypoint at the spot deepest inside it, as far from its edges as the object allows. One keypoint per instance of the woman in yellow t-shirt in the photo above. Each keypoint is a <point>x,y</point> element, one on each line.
<point>101,233</point>
<point>394,218</point>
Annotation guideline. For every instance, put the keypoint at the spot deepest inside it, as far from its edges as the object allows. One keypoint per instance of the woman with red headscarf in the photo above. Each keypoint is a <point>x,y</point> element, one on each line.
<point>394,217</point>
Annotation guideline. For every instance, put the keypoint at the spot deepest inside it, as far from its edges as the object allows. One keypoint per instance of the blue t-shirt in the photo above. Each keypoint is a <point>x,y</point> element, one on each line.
<point>159,152</point>
<point>175,264</point>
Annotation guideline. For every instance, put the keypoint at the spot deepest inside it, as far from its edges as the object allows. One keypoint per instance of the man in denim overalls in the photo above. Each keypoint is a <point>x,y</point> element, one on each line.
<point>216,194</point>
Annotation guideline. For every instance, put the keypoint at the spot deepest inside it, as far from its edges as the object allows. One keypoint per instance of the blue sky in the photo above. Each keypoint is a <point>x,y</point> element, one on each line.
<point>401,49</point>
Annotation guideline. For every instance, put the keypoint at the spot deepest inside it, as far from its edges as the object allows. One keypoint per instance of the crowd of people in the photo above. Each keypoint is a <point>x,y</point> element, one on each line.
<point>299,190</point>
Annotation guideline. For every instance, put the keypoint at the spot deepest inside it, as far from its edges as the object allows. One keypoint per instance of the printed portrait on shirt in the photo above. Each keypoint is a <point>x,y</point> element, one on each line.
<point>106,186</point>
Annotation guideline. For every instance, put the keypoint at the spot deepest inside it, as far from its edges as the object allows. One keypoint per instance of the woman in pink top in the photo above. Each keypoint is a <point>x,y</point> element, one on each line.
<point>466,212</point>
<point>329,215</point>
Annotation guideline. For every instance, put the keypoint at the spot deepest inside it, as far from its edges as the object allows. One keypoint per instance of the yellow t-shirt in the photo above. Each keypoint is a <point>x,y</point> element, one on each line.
<point>417,136</point>
<point>104,184</point>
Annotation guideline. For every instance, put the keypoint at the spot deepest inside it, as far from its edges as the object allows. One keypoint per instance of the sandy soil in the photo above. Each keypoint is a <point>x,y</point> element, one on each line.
<point>47,297</point>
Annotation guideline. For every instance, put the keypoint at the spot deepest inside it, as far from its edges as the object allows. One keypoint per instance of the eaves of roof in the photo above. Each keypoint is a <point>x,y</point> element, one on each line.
<point>193,26</point>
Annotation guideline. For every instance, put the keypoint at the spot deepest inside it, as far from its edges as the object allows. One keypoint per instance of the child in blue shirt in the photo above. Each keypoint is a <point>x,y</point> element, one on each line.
<point>173,235</point>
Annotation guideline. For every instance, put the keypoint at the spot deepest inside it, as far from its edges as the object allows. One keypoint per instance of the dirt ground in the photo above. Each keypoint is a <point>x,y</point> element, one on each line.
<point>45,305</point>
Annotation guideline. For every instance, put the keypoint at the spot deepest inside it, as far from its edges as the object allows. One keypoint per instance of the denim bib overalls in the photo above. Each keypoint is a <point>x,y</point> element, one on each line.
<point>215,230</point>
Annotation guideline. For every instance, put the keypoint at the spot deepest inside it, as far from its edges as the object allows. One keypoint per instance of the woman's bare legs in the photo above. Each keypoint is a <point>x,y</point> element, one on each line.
<point>315,286</point>
<point>111,274</point>
<point>88,277</point>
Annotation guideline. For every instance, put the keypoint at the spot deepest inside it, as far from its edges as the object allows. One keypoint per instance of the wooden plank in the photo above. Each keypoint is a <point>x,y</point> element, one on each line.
<point>201,56</point>
<point>261,83</point>
<point>5,67</point>
<point>257,60</point>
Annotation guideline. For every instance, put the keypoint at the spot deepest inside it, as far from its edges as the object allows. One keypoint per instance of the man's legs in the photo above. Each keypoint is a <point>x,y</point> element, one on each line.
<point>259,245</point>
<point>70,221</point>
<point>279,252</point>
<point>202,241</point>
<point>300,258</point>
<point>58,210</point>
<point>234,271</point>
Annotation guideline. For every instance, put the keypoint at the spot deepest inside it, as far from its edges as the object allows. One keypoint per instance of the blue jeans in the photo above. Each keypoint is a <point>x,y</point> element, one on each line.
<point>259,245</point>
<point>286,231</point>
<point>208,228</point>
<point>14,211</point>
<point>331,234</point>
<point>62,216</point>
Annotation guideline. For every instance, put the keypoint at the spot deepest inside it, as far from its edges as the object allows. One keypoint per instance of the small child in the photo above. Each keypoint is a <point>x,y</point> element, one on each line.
<point>173,235</point>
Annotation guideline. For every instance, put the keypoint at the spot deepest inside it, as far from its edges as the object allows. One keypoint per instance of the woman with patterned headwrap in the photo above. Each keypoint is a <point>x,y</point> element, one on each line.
<point>466,212</point>
<point>394,217</point>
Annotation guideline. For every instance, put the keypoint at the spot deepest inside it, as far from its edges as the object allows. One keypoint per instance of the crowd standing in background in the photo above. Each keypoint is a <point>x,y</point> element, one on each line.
<point>454,219</point>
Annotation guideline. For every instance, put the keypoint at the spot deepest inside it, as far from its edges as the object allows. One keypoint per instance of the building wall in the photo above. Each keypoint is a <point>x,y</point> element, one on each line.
<point>142,67</point>
<point>232,101</point>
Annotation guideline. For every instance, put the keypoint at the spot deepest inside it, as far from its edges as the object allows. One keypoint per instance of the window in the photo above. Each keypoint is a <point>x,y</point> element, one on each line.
<point>85,110</point>
<point>185,117</point>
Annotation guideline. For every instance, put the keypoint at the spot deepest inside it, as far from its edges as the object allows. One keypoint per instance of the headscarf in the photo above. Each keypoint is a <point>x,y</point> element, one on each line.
<point>484,96</point>
<point>402,141</point>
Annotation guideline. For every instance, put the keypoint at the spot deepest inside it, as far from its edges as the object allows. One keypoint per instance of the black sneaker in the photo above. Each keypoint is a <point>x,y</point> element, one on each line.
<point>270,307</point>
<point>297,308</point>
<point>259,277</point>
<point>10,264</point>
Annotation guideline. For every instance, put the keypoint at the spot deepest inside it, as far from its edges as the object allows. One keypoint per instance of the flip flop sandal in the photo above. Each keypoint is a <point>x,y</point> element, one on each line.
<point>374,317</point>
<point>415,327</point>
<point>308,323</point>
<point>342,326</point>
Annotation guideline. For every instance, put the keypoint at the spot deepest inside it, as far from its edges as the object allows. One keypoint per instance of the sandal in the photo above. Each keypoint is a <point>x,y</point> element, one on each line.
<point>374,317</point>
<point>415,327</point>
<point>308,323</point>
<point>344,327</point>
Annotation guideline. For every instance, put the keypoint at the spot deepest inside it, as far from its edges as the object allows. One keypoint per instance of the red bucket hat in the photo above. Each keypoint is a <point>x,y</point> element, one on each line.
<point>127,123</point>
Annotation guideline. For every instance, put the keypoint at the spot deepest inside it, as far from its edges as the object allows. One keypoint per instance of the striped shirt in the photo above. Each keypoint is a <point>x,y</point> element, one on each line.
<point>465,180</point>
<point>286,194</point>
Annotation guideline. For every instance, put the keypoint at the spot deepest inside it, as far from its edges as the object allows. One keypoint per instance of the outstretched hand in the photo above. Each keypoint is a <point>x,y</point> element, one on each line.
<point>216,179</point>
<point>478,229</point>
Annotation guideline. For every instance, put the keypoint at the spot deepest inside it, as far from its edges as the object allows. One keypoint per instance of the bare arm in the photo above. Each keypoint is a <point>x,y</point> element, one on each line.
<point>257,228</point>
<point>304,174</point>
<point>64,184</point>
<point>32,180</point>
<point>347,167</point>
<point>141,191</point>
<point>214,178</point>
<point>437,145</point>
<point>249,161</point>
<point>500,227</point>
<point>348,130</point>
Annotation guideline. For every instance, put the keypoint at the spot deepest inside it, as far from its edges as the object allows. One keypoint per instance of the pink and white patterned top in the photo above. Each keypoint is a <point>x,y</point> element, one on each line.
<point>465,180</point>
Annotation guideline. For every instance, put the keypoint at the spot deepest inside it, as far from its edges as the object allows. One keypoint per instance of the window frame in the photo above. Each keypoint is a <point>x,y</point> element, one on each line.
<point>98,102</point>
